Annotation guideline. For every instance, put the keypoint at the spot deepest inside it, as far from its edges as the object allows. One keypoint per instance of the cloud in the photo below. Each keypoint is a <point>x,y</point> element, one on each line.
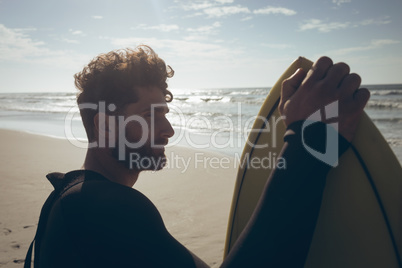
<point>277,46</point>
<point>17,46</point>
<point>382,42</point>
<point>197,6</point>
<point>97,17</point>
<point>319,25</point>
<point>219,9</point>
<point>213,9</point>
<point>70,41</point>
<point>374,44</point>
<point>275,10</point>
<point>202,32</point>
<point>379,21</point>
<point>188,50</point>
<point>340,2</point>
<point>224,1</point>
<point>160,27</point>
<point>246,18</point>
<point>77,32</point>
<point>216,12</point>
<point>316,24</point>
<point>206,30</point>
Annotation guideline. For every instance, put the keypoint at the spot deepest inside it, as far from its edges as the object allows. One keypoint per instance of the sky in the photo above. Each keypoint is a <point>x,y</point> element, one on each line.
<point>209,43</point>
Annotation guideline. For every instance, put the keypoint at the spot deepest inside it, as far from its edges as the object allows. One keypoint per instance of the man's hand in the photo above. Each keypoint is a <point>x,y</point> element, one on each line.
<point>303,94</point>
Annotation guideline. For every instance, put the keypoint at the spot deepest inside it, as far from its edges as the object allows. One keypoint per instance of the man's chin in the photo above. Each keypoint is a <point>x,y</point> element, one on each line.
<point>160,163</point>
<point>142,163</point>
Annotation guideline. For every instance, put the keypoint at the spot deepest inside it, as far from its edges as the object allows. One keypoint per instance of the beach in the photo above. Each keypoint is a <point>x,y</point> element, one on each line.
<point>42,133</point>
<point>194,199</point>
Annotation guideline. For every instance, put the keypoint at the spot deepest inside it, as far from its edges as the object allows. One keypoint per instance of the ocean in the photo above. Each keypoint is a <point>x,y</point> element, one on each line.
<point>209,119</point>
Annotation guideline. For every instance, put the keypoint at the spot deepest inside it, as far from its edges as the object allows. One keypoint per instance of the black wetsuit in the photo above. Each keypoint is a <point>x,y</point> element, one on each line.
<point>99,223</point>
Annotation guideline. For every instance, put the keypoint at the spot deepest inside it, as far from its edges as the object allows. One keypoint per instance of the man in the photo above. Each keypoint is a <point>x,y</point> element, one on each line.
<point>96,219</point>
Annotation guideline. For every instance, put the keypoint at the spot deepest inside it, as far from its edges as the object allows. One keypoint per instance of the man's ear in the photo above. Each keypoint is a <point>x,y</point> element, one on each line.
<point>104,129</point>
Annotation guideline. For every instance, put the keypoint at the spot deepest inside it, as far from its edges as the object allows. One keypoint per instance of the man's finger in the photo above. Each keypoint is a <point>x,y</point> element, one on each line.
<point>349,84</point>
<point>318,70</point>
<point>337,73</point>
<point>361,97</point>
<point>290,85</point>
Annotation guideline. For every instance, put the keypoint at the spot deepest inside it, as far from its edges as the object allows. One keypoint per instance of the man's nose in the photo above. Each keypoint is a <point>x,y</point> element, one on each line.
<point>167,130</point>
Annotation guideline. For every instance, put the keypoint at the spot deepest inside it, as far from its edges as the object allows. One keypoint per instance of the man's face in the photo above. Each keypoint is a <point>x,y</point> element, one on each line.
<point>146,131</point>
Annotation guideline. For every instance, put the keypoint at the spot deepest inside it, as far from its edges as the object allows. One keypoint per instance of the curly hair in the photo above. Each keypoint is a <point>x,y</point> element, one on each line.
<point>112,78</point>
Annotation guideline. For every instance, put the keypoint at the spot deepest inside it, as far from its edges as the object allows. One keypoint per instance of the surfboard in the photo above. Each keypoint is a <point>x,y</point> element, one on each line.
<point>360,220</point>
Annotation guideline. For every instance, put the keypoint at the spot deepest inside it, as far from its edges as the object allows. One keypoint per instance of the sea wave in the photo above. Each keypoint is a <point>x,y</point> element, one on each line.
<point>386,92</point>
<point>211,99</point>
<point>57,109</point>
<point>394,142</point>
<point>257,100</point>
<point>384,104</point>
<point>387,120</point>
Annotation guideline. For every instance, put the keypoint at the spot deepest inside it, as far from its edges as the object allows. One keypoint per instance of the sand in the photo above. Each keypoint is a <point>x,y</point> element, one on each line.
<point>194,201</point>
